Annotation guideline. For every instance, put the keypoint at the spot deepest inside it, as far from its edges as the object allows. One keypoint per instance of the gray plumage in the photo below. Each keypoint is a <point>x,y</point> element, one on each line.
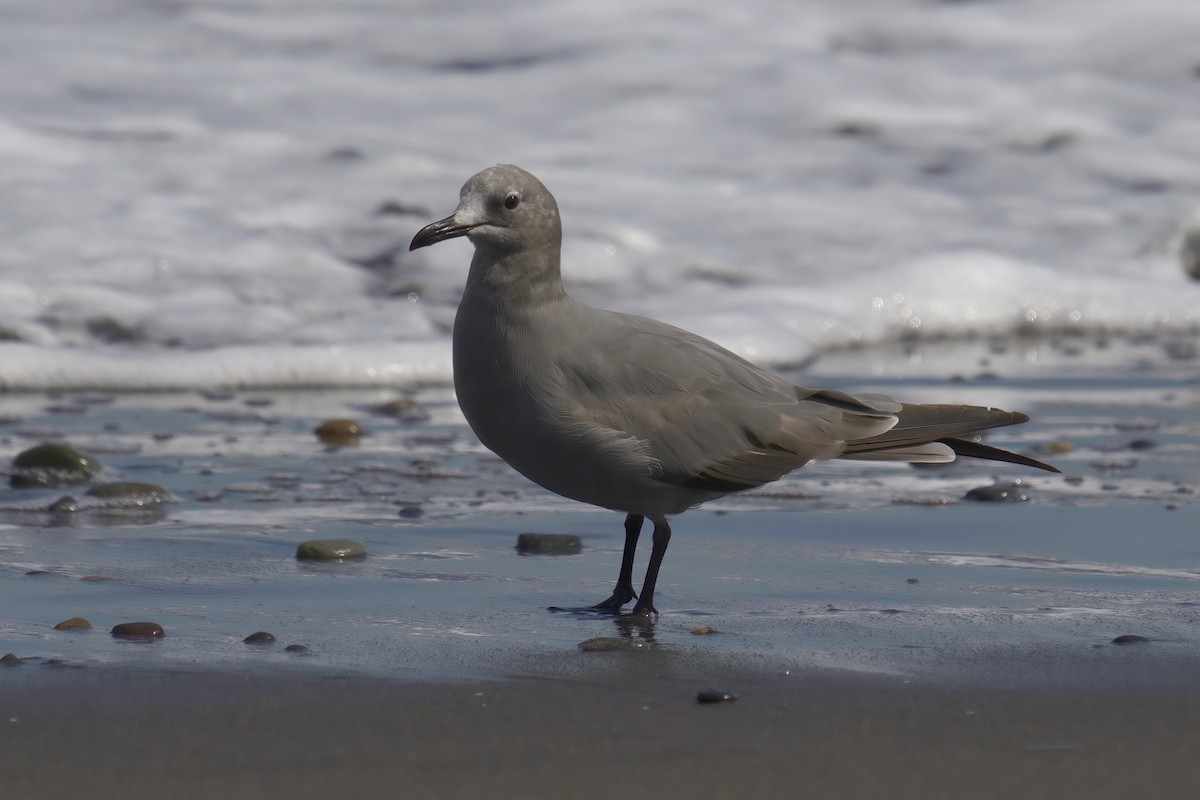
<point>634,415</point>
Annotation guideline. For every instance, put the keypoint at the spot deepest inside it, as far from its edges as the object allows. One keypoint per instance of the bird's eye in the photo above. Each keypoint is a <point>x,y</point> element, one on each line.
<point>512,201</point>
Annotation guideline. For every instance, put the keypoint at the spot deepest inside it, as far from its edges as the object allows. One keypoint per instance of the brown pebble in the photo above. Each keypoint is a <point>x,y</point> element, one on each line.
<point>405,409</point>
<point>339,431</point>
<point>1060,446</point>
<point>138,630</point>
<point>10,660</point>
<point>73,622</point>
<point>96,578</point>
<point>714,696</point>
<point>261,637</point>
<point>703,630</point>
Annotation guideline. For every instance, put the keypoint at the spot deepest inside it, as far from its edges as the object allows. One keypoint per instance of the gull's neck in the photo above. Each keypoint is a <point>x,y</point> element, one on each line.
<point>515,278</point>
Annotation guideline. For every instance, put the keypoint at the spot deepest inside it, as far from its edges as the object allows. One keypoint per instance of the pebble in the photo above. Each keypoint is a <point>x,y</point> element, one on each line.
<point>412,512</point>
<point>296,648</point>
<point>611,644</point>
<point>1181,351</point>
<point>73,623</point>
<point>96,578</point>
<point>997,493</point>
<point>260,637</point>
<point>51,465</point>
<point>1137,424</point>
<point>703,630</point>
<point>1061,446</point>
<point>64,505</point>
<point>549,544</point>
<point>10,660</point>
<point>1189,240</point>
<point>404,409</point>
<point>1129,638</point>
<point>339,431</point>
<point>330,550</point>
<point>346,152</point>
<point>1112,465</point>
<point>138,630</point>
<point>715,696</point>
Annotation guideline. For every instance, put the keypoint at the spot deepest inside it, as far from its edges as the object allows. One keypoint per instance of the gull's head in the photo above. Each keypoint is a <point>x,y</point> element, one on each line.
<point>503,208</point>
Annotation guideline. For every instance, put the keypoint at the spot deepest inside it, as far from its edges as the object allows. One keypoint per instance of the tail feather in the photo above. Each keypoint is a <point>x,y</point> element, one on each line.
<point>963,447</point>
<point>927,453</point>
<point>930,433</point>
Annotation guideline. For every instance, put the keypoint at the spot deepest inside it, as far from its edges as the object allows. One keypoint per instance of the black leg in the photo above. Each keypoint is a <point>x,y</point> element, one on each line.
<point>623,592</point>
<point>662,537</point>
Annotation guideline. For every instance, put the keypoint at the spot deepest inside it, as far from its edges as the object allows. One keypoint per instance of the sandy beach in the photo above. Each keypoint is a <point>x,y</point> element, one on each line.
<point>625,723</point>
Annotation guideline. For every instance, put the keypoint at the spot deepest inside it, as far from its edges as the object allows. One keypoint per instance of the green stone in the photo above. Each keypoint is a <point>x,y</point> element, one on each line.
<point>330,550</point>
<point>52,465</point>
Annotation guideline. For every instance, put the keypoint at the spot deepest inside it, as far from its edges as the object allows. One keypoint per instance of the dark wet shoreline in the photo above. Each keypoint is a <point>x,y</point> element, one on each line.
<point>624,721</point>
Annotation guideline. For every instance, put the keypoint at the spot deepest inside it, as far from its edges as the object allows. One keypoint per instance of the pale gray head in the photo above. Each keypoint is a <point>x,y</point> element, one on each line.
<point>502,210</point>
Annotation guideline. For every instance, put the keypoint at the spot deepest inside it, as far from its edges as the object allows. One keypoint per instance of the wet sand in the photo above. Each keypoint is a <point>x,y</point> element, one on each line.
<point>627,725</point>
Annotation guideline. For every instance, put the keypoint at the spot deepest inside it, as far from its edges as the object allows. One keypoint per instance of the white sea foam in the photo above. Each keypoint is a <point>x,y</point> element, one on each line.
<point>189,190</point>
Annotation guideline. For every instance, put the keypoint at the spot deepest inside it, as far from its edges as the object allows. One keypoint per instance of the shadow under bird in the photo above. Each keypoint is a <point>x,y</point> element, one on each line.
<point>634,415</point>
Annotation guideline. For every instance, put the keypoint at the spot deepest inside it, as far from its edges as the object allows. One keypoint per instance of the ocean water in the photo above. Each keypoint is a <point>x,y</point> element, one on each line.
<point>198,194</point>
